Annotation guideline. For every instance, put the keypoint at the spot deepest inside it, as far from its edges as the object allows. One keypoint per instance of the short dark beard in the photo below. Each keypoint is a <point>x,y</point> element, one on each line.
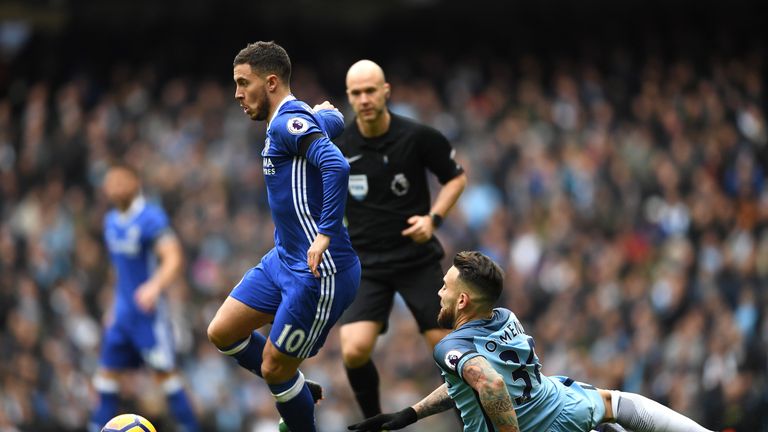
<point>263,108</point>
<point>446,318</point>
<point>260,115</point>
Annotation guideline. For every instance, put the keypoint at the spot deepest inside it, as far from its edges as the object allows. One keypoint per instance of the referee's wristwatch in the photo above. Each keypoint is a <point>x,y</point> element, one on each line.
<point>437,220</point>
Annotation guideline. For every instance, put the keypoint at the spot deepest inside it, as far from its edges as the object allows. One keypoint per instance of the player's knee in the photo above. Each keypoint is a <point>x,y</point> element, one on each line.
<point>355,355</point>
<point>357,342</point>
<point>215,335</point>
<point>275,372</point>
<point>270,371</point>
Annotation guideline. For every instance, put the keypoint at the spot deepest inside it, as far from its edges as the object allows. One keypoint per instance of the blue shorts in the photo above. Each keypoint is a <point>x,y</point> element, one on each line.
<point>133,340</point>
<point>583,410</point>
<point>305,307</point>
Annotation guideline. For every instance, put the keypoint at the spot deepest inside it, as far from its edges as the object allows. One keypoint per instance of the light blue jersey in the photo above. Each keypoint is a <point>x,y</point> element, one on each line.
<point>135,336</point>
<point>539,401</point>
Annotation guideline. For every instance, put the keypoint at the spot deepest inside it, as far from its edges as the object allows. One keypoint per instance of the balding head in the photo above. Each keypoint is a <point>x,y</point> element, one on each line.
<point>368,92</point>
<point>365,70</point>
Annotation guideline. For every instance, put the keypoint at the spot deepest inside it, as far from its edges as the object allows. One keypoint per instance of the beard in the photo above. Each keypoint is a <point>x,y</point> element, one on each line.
<point>260,114</point>
<point>261,111</point>
<point>446,318</point>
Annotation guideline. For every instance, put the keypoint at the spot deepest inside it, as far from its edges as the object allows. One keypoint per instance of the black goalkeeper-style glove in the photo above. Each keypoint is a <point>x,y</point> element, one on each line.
<point>391,421</point>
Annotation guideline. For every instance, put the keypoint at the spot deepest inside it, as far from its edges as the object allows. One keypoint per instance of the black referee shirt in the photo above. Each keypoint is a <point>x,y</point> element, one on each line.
<point>388,183</point>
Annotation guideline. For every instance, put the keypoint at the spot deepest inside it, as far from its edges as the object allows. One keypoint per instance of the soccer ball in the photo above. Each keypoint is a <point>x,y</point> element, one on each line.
<point>128,423</point>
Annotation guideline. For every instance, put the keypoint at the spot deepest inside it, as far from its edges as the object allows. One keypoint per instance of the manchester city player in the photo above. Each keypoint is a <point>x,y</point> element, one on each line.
<point>493,376</point>
<point>306,281</point>
<point>147,258</point>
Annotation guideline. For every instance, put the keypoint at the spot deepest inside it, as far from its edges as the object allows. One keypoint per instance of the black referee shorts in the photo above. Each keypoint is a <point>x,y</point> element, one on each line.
<point>376,294</point>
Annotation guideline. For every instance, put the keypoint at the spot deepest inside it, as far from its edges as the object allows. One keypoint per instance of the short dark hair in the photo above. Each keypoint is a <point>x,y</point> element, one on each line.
<point>482,274</point>
<point>266,58</point>
<point>120,165</point>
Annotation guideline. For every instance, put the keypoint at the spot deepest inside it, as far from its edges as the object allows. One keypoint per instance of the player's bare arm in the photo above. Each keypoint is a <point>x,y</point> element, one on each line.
<point>437,402</point>
<point>171,258</point>
<point>493,394</point>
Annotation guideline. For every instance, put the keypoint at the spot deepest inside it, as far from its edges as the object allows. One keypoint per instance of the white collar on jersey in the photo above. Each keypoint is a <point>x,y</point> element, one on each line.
<point>137,205</point>
<point>290,97</point>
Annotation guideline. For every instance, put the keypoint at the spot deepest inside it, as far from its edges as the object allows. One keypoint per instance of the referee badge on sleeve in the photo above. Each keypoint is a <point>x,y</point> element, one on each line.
<point>358,186</point>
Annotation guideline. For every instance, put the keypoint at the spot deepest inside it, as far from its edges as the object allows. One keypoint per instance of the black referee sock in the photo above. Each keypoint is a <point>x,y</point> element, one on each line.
<point>364,381</point>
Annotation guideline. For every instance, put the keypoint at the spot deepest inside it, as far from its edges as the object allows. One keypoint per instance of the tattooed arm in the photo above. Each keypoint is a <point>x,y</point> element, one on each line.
<point>493,394</point>
<point>437,402</point>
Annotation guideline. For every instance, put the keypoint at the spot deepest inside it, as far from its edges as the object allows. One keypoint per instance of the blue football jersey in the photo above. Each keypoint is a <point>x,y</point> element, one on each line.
<point>130,238</point>
<point>501,339</point>
<point>306,193</point>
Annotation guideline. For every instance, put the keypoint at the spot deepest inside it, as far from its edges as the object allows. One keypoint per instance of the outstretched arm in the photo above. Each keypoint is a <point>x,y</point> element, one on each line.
<point>492,392</point>
<point>437,401</point>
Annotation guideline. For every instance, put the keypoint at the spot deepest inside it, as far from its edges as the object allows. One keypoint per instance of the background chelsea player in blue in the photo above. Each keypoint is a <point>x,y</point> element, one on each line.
<point>493,376</point>
<point>311,275</point>
<point>147,258</point>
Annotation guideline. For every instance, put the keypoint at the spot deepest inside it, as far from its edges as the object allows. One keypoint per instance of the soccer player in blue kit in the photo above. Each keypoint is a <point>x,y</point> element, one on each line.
<point>493,376</point>
<point>306,281</point>
<point>147,258</point>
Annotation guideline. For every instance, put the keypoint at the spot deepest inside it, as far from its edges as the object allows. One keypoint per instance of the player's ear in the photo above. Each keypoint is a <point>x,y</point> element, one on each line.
<point>463,301</point>
<point>386,90</point>
<point>272,82</point>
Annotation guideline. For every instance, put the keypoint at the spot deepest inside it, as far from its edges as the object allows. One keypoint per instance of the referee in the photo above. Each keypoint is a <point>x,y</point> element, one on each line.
<point>391,221</point>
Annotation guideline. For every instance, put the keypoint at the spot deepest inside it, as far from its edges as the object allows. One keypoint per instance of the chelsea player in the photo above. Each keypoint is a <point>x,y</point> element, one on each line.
<point>147,258</point>
<point>493,376</point>
<point>306,281</point>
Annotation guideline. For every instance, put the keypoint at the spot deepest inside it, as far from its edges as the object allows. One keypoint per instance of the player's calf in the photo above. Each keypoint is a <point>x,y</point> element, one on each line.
<point>248,352</point>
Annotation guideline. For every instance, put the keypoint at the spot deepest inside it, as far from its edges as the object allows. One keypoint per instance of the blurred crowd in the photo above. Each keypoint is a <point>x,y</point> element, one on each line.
<point>626,200</point>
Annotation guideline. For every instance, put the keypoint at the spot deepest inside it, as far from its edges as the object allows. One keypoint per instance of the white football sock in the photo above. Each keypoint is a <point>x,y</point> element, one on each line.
<point>641,414</point>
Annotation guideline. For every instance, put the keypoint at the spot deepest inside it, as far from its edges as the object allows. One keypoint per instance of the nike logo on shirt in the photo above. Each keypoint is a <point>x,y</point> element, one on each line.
<point>354,158</point>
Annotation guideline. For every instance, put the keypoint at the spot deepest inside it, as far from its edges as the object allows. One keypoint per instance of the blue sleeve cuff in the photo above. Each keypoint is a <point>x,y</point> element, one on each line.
<point>333,122</point>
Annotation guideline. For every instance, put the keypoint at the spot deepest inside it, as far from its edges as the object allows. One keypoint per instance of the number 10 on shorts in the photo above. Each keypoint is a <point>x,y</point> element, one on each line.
<point>293,339</point>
